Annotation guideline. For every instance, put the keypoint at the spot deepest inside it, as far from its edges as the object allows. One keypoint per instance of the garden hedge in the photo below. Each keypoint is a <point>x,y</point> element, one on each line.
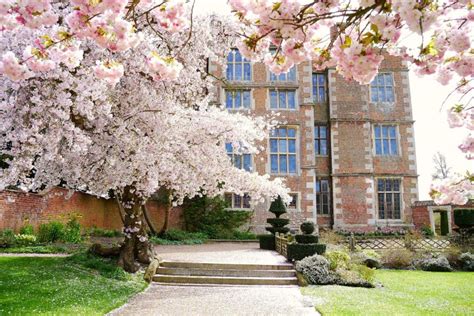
<point>306,239</point>
<point>267,242</point>
<point>464,218</point>
<point>299,251</point>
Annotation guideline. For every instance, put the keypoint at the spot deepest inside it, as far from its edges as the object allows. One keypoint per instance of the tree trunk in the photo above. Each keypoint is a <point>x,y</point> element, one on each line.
<point>167,220</point>
<point>136,246</point>
<point>121,211</point>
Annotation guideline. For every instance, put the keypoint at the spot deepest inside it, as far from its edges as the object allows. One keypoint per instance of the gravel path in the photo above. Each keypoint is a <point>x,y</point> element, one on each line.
<point>218,300</point>
<point>221,300</point>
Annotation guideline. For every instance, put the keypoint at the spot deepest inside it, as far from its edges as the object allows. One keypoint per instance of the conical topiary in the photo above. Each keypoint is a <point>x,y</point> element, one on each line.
<point>278,224</point>
<point>277,207</point>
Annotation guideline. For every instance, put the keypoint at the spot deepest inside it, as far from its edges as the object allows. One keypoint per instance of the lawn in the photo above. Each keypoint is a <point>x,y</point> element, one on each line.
<point>77,285</point>
<point>403,293</point>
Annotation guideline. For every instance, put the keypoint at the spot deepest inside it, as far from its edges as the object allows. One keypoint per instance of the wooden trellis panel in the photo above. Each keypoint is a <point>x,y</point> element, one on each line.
<point>378,243</point>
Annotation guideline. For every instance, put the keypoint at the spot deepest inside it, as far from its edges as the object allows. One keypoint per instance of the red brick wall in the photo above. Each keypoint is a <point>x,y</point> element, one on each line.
<point>421,216</point>
<point>18,209</point>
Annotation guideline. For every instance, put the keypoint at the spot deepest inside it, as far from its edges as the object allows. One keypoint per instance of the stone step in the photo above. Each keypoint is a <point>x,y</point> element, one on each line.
<point>227,272</point>
<point>225,266</point>
<point>180,279</point>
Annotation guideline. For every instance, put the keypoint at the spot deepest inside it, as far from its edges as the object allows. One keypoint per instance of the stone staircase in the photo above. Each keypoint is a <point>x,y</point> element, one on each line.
<point>172,272</point>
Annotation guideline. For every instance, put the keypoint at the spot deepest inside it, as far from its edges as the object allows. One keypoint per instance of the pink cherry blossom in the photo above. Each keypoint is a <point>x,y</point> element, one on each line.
<point>11,67</point>
<point>110,71</point>
<point>163,68</point>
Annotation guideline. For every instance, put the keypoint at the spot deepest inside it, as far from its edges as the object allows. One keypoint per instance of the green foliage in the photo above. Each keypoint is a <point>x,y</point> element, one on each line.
<point>306,239</point>
<point>397,258</point>
<point>25,240</point>
<point>427,231</point>
<point>464,218</point>
<point>7,238</point>
<point>161,241</point>
<point>51,232</point>
<point>267,241</point>
<point>371,254</point>
<point>307,227</point>
<point>100,232</point>
<point>277,207</point>
<point>38,249</point>
<point>467,261</point>
<point>278,222</point>
<point>244,235</point>
<point>27,230</point>
<point>367,274</point>
<point>338,259</point>
<point>72,231</point>
<point>300,251</point>
<point>210,216</point>
<point>181,235</point>
<point>316,270</point>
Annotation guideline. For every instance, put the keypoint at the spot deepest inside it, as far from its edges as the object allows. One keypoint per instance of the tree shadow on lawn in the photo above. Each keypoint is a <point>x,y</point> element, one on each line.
<point>81,284</point>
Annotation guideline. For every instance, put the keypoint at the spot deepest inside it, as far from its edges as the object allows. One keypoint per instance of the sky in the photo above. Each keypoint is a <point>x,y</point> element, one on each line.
<point>432,133</point>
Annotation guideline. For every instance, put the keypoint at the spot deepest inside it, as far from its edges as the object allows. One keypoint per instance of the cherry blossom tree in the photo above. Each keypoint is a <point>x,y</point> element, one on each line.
<point>114,94</point>
<point>433,36</point>
<point>127,113</point>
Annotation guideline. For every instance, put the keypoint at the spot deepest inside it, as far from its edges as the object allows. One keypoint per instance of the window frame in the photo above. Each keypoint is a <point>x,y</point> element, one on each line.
<point>279,153</point>
<point>318,139</point>
<point>381,139</point>
<point>242,90</point>
<point>320,205</point>
<point>241,64</point>
<point>298,202</point>
<point>242,201</point>
<point>282,90</point>
<point>276,78</point>
<point>392,192</point>
<point>385,86</point>
<point>232,154</point>
<point>317,87</point>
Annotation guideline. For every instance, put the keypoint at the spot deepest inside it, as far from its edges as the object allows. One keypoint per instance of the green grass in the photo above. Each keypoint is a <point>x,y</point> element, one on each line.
<point>403,293</point>
<point>44,249</point>
<point>77,285</point>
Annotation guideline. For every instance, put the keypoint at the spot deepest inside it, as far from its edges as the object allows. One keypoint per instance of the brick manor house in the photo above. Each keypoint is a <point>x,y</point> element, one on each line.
<point>347,151</point>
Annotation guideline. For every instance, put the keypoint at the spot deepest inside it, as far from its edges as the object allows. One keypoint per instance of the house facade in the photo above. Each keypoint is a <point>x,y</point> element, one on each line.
<point>347,151</point>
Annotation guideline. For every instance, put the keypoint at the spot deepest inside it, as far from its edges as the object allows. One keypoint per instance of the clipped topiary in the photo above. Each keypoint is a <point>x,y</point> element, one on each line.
<point>278,224</point>
<point>306,244</point>
<point>267,242</point>
<point>306,239</point>
<point>307,227</point>
<point>277,207</point>
<point>297,252</point>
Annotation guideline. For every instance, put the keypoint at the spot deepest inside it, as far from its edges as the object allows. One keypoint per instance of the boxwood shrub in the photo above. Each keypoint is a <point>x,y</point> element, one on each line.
<point>464,218</point>
<point>267,242</point>
<point>300,251</point>
<point>278,222</point>
<point>306,239</point>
